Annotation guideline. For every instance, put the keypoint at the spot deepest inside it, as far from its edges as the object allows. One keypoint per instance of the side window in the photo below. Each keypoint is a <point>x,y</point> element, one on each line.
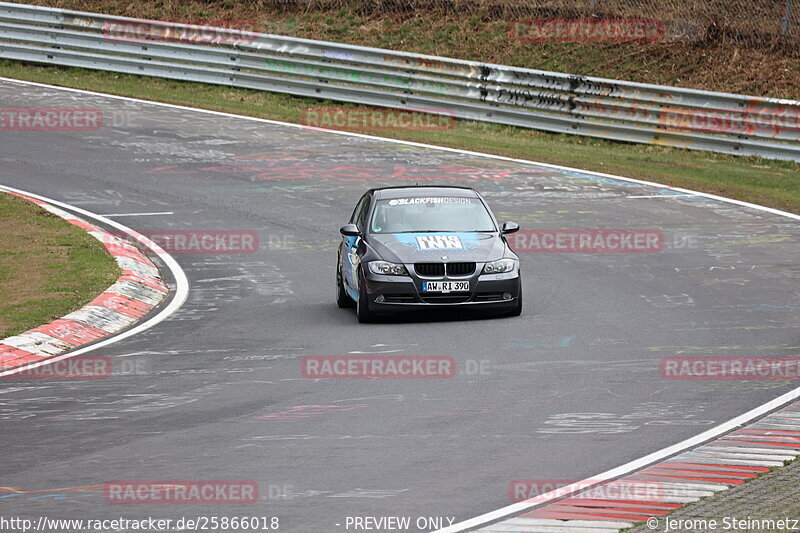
<point>357,210</point>
<point>362,216</point>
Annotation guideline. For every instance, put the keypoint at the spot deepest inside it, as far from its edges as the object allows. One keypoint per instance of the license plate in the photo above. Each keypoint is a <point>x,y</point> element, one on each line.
<point>445,286</point>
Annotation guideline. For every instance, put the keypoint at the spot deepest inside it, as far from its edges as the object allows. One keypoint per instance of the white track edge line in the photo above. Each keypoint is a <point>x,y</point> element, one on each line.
<point>411,143</point>
<point>637,464</point>
<point>627,468</point>
<point>181,284</point>
<point>137,214</point>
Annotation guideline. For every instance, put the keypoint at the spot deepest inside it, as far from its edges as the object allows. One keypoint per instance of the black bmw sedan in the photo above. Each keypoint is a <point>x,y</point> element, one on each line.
<point>426,247</point>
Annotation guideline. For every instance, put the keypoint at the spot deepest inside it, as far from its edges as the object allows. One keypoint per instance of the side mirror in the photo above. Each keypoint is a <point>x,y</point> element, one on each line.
<point>350,230</point>
<point>509,227</point>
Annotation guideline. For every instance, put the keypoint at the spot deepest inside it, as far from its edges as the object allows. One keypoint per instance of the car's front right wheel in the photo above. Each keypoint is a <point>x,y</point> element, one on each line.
<point>343,299</point>
<point>363,311</point>
<point>518,308</point>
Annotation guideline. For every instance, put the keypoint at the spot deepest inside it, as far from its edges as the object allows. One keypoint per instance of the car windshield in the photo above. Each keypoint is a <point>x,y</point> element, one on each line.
<point>431,214</point>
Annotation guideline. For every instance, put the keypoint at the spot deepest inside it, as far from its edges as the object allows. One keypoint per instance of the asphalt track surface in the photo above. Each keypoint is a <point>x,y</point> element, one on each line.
<point>570,389</point>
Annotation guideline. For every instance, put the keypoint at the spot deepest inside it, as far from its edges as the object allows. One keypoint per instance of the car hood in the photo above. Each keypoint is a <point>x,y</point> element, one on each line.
<point>438,247</point>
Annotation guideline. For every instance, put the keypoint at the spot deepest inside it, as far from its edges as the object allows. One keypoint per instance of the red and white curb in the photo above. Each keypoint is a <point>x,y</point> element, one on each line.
<point>661,488</point>
<point>137,291</point>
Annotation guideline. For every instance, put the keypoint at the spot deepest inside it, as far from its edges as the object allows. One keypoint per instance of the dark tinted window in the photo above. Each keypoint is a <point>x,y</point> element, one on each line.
<point>359,217</point>
<point>411,215</point>
<point>362,217</point>
<point>357,211</point>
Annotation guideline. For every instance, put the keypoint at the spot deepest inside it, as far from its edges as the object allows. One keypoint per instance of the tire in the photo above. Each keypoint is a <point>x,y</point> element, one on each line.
<point>343,299</point>
<point>518,309</point>
<point>363,312</point>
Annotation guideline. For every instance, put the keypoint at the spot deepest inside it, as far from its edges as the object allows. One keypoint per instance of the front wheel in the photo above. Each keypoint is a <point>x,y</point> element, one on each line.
<point>343,299</point>
<point>363,311</point>
<point>518,309</point>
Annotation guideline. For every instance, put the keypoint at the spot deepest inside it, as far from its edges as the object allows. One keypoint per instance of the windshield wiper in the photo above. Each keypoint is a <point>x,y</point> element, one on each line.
<point>428,231</point>
<point>448,231</point>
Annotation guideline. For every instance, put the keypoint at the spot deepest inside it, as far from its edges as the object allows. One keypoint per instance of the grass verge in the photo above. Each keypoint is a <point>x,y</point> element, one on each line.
<point>48,267</point>
<point>772,183</point>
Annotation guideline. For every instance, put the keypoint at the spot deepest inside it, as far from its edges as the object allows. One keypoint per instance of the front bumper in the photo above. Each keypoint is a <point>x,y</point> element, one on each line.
<point>399,293</point>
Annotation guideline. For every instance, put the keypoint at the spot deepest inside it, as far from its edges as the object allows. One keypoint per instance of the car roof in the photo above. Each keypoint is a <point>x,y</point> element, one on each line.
<point>429,190</point>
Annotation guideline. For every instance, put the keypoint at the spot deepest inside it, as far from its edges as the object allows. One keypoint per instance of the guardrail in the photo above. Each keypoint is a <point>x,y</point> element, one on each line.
<point>549,101</point>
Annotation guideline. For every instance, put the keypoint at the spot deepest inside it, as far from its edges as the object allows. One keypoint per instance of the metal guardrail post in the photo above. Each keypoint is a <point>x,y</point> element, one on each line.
<point>787,19</point>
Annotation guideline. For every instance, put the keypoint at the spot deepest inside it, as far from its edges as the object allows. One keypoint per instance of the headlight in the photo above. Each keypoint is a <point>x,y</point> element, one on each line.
<point>498,267</point>
<point>385,268</point>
